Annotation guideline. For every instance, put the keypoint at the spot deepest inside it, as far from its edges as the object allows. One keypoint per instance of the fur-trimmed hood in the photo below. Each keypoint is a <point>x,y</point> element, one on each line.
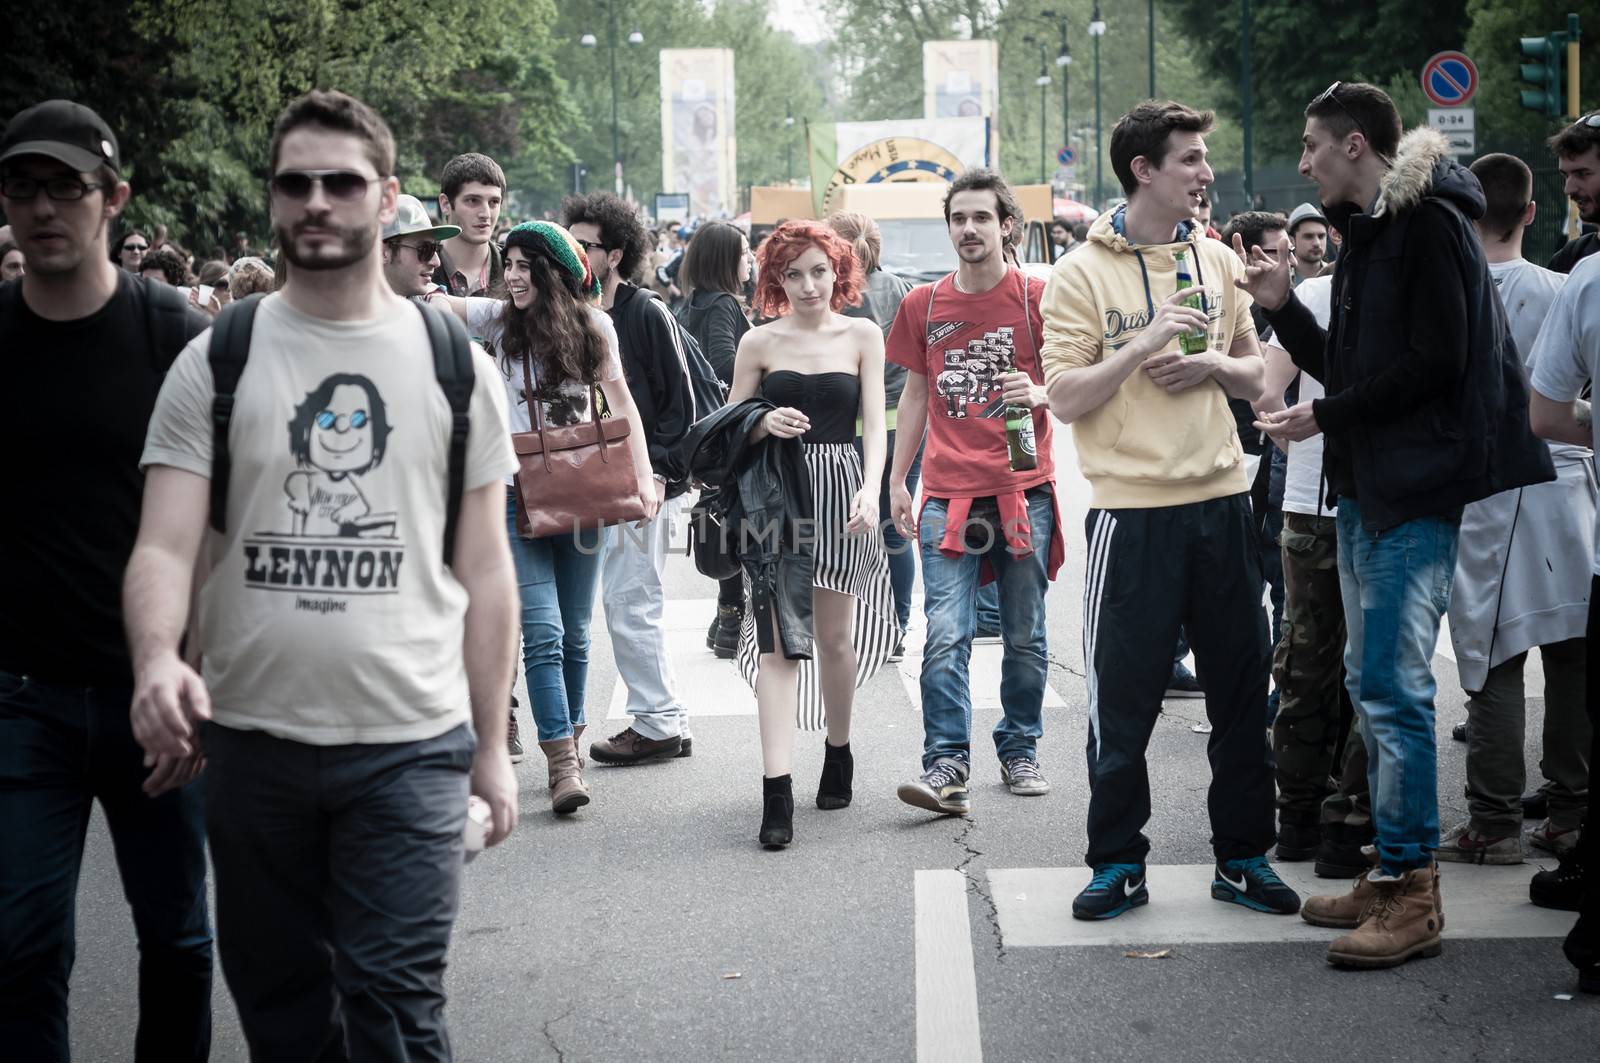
<point>1423,167</point>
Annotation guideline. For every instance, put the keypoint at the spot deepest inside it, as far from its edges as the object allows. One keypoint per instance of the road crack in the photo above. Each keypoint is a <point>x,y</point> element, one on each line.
<point>561,1057</point>
<point>979,887</point>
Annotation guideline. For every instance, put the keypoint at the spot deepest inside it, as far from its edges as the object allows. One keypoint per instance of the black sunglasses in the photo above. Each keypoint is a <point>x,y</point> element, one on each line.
<point>425,250</point>
<point>344,185</point>
<point>1590,121</point>
<point>1332,93</point>
<point>136,247</point>
<point>589,246</point>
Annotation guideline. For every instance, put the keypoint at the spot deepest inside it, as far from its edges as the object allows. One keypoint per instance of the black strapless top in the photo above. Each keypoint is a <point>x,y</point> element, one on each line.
<point>831,401</point>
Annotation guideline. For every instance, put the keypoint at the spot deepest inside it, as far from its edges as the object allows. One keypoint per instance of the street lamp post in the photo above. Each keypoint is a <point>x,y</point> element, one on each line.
<point>588,41</point>
<point>1064,61</point>
<point>788,138</point>
<point>1097,29</point>
<point>1152,49</point>
<point>1043,81</point>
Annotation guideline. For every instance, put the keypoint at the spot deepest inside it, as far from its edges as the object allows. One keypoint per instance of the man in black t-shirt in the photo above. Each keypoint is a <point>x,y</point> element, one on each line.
<point>91,344</point>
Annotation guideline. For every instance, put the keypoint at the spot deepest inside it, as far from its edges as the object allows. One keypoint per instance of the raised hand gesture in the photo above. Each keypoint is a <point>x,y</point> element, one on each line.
<point>1267,279</point>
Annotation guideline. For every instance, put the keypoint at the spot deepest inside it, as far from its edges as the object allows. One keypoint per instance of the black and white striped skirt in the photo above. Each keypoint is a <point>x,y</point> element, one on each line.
<point>856,565</point>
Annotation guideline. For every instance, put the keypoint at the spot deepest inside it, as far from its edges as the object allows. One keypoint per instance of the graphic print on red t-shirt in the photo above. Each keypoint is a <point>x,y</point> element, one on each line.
<point>963,344</point>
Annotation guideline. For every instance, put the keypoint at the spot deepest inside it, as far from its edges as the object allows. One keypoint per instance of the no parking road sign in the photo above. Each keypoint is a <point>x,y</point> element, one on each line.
<point>1449,79</point>
<point>1065,156</point>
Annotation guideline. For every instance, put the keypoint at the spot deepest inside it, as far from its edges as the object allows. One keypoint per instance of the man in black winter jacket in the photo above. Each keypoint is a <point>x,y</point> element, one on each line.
<point>1426,411</point>
<point>632,571</point>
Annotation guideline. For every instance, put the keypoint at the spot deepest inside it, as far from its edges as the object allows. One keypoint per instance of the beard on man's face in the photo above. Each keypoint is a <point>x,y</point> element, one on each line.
<point>350,244</point>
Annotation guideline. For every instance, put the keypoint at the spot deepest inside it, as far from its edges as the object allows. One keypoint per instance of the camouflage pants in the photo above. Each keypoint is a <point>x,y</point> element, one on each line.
<point>1316,726</point>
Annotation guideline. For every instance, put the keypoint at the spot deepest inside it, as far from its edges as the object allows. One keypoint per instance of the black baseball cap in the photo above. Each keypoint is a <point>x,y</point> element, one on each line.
<point>62,130</point>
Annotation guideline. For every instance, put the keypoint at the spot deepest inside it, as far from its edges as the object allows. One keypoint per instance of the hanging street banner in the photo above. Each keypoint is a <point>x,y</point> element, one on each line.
<point>960,79</point>
<point>843,153</point>
<point>697,142</point>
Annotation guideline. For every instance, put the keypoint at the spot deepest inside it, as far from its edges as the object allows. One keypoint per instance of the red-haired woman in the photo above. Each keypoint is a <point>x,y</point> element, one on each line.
<point>822,370</point>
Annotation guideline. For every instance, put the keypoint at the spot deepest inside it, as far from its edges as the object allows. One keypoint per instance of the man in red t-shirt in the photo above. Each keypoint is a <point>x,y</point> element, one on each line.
<point>971,344</point>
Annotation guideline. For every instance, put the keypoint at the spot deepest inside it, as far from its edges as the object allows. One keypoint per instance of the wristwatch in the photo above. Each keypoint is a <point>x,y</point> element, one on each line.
<point>657,476</point>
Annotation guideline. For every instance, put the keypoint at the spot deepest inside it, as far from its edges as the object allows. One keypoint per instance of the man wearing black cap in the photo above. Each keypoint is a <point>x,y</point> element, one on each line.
<point>91,344</point>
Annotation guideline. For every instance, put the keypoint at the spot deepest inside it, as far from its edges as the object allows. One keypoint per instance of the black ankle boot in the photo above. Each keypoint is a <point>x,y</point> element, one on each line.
<point>725,636</point>
<point>777,812</point>
<point>838,769</point>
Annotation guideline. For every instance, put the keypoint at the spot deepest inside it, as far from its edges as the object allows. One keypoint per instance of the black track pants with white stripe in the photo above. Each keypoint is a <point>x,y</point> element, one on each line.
<point>1150,570</point>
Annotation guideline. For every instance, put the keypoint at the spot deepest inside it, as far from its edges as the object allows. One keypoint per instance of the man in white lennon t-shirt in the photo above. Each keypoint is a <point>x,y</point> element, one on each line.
<point>1314,711</point>
<point>345,662</point>
<point>1521,582</point>
<point>1566,362</point>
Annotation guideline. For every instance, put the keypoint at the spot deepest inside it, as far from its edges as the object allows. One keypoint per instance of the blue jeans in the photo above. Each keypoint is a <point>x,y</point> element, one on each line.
<point>950,602</point>
<point>61,749</point>
<point>1396,585</point>
<point>556,579</point>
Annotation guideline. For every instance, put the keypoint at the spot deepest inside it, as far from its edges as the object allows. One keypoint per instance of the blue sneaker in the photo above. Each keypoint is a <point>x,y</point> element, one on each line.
<point>1114,889</point>
<point>1253,884</point>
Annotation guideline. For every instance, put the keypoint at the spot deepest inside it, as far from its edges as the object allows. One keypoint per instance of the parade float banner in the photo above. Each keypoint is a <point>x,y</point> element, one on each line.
<point>913,149</point>
<point>960,79</point>
<point>697,141</point>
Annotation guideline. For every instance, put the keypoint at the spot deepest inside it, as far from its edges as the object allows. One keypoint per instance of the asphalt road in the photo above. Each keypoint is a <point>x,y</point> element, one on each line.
<point>650,926</point>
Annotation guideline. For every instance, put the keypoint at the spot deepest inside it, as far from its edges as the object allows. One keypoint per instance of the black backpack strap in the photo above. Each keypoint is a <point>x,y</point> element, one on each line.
<point>230,349</point>
<point>452,365</point>
<point>166,322</point>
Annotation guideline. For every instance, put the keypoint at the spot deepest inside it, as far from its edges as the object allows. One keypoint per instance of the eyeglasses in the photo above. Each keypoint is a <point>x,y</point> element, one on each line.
<point>588,246</point>
<point>425,250</point>
<point>1332,93</point>
<point>344,185</point>
<point>60,189</point>
<point>136,247</point>
<point>1590,121</point>
<point>341,422</point>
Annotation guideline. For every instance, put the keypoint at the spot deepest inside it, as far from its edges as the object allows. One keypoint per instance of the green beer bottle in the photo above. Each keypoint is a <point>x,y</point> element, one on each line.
<point>1019,438</point>
<point>1195,340</point>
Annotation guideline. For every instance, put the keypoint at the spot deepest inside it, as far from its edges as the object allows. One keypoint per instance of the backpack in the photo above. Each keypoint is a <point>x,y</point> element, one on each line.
<point>705,387</point>
<point>452,366</point>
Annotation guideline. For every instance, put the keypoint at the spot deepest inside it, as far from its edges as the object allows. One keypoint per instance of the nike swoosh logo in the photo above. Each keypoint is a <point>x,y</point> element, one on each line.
<point>1240,885</point>
<point>1130,887</point>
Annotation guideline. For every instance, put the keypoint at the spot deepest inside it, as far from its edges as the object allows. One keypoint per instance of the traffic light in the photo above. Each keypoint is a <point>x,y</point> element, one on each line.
<point>1544,73</point>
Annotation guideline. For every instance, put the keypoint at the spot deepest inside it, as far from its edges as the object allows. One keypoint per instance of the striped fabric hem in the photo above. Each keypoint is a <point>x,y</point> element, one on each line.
<point>857,565</point>
<point>1105,526</point>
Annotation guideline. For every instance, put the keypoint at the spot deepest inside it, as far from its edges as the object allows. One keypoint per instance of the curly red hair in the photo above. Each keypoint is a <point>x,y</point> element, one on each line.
<point>788,242</point>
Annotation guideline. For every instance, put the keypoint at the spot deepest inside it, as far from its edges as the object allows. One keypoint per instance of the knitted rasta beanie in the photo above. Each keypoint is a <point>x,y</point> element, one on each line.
<point>556,244</point>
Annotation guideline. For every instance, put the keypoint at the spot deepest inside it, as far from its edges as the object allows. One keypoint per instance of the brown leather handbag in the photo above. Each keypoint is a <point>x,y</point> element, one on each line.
<point>574,478</point>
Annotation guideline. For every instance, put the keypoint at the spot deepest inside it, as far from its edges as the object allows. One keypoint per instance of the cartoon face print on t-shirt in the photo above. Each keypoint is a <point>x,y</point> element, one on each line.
<point>337,435</point>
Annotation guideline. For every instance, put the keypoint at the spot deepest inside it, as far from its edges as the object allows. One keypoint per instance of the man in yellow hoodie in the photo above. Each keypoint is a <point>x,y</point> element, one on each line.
<point>1169,528</point>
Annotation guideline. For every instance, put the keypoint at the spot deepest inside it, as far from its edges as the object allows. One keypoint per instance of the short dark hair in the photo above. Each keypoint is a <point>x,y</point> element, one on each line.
<point>317,401</point>
<point>1252,226</point>
<point>1356,107</point>
<point>471,167</point>
<point>1145,131</point>
<point>1508,188</point>
<point>620,227</point>
<point>711,261</point>
<point>332,109</point>
<point>983,179</point>
<point>1080,231</point>
<point>169,262</point>
<point>1575,140</point>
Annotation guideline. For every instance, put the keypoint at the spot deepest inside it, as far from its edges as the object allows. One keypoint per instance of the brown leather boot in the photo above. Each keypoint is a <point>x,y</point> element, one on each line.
<point>567,792</point>
<point>1401,922</point>
<point>1342,912</point>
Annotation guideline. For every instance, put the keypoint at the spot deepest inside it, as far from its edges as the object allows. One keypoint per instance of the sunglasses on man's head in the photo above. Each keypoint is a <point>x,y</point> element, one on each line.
<point>344,185</point>
<point>1589,121</point>
<point>1332,93</point>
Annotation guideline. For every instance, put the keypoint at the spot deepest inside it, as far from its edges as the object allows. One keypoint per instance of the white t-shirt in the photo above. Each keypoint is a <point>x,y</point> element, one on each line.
<point>1302,484</point>
<point>1526,292</point>
<point>329,615</point>
<point>566,405</point>
<point>1566,356</point>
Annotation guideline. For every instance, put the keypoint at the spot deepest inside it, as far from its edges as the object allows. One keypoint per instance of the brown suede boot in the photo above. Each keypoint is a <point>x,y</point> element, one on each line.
<point>1342,912</point>
<point>567,792</point>
<point>1401,922</point>
<point>577,742</point>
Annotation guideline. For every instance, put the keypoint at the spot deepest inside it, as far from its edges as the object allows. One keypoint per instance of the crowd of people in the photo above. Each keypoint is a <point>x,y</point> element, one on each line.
<point>272,588</point>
